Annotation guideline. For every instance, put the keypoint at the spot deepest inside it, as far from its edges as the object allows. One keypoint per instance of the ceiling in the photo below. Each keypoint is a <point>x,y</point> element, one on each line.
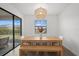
<point>29,8</point>
<point>4,13</point>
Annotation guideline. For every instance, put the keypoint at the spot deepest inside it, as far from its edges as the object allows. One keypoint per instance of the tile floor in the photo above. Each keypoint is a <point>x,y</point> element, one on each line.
<point>14,52</point>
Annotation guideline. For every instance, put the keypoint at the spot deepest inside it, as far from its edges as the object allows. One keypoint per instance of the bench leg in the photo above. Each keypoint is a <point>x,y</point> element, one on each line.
<point>58,53</point>
<point>21,53</point>
<point>37,53</point>
<point>61,53</point>
<point>45,53</point>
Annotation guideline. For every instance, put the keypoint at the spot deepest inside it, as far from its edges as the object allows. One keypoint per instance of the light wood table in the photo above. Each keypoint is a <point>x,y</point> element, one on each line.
<point>25,47</point>
<point>44,39</point>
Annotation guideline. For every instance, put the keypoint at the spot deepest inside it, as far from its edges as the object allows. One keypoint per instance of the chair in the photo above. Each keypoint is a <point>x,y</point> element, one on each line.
<point>4,42</point>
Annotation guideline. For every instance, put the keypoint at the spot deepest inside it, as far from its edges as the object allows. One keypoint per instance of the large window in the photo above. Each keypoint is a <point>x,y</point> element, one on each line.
<point>17,30</point>
<point>10,31</point>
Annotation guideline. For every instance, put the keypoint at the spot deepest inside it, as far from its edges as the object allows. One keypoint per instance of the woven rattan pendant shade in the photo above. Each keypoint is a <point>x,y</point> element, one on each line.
<point>40,13</point>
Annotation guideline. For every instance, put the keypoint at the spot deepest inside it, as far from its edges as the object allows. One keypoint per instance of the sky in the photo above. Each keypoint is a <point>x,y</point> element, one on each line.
<point>40,22</point>
<point>9,22</point>
<point>17,22</point>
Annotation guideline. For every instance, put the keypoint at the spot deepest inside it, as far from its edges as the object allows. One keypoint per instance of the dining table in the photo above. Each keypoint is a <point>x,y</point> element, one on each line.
<point>30,43</point>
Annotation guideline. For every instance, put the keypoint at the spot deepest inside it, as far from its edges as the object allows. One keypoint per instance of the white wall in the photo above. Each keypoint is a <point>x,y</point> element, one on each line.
<point>69,27</point>
<point>28,26</point>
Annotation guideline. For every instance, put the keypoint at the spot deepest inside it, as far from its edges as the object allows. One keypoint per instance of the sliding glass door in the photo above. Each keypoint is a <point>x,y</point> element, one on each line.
<point>17,30</point>
<point>10,31</point>
<point>6,32</point>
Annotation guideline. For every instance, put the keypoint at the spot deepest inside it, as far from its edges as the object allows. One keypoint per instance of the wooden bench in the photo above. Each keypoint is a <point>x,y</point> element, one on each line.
<point>24,49</point>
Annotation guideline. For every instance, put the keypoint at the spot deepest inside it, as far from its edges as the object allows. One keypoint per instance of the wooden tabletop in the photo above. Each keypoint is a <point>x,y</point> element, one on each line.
<point>30,38</point>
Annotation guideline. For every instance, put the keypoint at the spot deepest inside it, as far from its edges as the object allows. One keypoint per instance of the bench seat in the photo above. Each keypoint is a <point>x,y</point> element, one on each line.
<point>24,49</point>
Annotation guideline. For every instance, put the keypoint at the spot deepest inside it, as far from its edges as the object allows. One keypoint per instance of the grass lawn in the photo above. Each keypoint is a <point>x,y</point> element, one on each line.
<point>10,36</point>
